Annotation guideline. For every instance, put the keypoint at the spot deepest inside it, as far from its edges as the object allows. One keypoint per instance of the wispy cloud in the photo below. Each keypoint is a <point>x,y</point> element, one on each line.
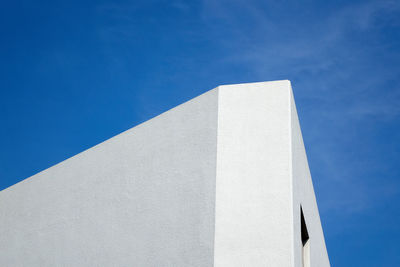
<point>340,79</point>
<point>344,79</point>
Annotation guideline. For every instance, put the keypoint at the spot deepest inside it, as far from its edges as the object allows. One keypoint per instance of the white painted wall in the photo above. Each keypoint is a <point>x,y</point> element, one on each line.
<point>217,181</point>
<point>303,194</point>
<point>253,199</point>
<point>143,198</point>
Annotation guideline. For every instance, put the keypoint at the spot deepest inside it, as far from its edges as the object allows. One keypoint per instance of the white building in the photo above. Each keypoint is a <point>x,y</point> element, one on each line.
<point>221,180</point>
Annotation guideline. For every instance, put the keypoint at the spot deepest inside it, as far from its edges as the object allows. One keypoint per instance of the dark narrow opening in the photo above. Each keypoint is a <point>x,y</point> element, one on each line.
<point>305,240</point>
<point>304,231</point>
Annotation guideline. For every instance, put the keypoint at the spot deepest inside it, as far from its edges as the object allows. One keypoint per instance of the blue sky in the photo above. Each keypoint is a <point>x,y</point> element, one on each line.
<point>75,73</point>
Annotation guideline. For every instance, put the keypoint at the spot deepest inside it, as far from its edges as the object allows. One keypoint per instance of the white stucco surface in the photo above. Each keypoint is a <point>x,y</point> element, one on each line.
<point>253,203</point>
<point>217,181</point>
<point>143,198</point>
<point>303,195</point>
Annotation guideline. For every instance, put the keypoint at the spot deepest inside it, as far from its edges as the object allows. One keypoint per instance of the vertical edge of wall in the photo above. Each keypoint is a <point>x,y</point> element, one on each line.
<point>304,196</point>
<point>253,224</point>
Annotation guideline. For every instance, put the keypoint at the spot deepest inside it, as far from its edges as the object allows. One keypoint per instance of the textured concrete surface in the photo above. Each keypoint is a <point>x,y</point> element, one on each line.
<point>143,198</point>
<point>253,204</point>
<point>303,194</point>
<point>216,181</point>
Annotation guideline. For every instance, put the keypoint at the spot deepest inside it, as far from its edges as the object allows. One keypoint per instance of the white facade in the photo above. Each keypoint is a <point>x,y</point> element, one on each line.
<point>217,181</point>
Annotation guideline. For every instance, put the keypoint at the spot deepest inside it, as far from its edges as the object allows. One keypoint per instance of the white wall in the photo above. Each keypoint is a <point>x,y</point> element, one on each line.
<point>262,178</point>
<point>253,200</point>
<point>217,181</point>
<point>303,194</point>
<point>143,198</point>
